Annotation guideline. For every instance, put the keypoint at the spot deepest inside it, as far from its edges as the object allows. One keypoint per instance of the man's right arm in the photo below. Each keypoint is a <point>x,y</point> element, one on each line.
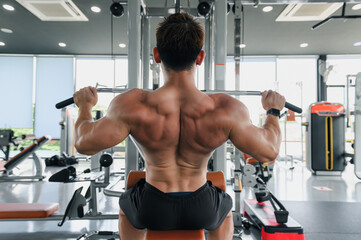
<point>261,143</point>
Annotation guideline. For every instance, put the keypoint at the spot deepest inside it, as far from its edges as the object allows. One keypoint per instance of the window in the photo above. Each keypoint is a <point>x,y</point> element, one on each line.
<point>102,71</point>
<point>341,68</point>
<point>16,84</point>
<point>256,74</point>
<point>54,83</point>
<point>297,81</point>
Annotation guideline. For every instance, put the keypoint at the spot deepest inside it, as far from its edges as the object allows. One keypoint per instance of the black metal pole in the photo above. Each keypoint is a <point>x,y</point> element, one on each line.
<point>321,85</point>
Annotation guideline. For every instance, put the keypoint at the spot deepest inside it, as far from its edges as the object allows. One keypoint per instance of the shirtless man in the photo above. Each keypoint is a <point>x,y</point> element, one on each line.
<point>178,128</point>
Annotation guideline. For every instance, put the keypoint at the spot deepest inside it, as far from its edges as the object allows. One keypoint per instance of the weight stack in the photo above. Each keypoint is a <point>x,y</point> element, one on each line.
<point>325,138</point>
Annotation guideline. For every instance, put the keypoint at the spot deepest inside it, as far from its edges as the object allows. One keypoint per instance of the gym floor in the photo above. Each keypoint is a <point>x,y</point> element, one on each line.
<point>328,207</point>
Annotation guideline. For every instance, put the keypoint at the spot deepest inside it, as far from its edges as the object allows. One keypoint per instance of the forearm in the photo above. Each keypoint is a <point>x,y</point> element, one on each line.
<point>272,136</point>
<point>83,127</point>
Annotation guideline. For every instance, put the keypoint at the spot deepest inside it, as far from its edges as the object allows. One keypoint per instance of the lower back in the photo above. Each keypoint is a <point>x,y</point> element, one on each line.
<point>175,178</point>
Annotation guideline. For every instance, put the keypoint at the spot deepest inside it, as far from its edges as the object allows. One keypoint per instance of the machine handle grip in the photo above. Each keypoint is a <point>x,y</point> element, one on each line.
<point>64,103</point>
<point>293,107</point>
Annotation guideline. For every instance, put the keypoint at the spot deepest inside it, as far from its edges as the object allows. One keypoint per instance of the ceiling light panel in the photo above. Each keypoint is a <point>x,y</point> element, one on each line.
<point>308,12</point>
<point>356,7</point>
<point>54,10</point>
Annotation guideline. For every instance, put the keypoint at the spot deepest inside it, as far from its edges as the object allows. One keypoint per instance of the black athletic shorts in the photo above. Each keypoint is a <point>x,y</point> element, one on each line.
<point>147,207</point>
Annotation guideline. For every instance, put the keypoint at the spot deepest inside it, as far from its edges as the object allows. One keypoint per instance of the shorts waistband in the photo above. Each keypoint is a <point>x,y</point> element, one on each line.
<point>163,194</point>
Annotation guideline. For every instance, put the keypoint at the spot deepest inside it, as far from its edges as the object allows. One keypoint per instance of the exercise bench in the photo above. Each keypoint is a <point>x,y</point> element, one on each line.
<point>217,179</point>
<point>7,167</point>
<point>27,210</point>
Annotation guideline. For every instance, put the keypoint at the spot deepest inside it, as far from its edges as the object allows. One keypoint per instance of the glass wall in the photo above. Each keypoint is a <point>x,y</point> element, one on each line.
<point>54,83</point>
<point>297,81</point>
<point>16,97</point>
<point>102,72</point>
<point>256,74</point>
<point>340,70</point>
<point>294,77</point>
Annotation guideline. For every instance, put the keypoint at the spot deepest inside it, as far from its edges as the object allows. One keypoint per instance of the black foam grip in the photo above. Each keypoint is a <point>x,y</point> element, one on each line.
<point>64,103</point>
<point>293,107</point>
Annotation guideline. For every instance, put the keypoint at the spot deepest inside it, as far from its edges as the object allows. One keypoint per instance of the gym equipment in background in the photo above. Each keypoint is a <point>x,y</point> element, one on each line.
<point>357,145</point>
<point>60,161</point>
<point>67,123</point>
<point>80,206</point>
<point>325,138</point>
<point>6,168</point>
<point>266,212</point>
<point>7,139</point>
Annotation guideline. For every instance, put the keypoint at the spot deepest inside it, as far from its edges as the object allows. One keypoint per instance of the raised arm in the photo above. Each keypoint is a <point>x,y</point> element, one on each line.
<point>93,136</point>
<point>261,143</point>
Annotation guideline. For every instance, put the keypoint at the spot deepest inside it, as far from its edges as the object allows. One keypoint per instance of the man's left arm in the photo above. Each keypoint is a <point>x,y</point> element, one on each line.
<point>93,136</point>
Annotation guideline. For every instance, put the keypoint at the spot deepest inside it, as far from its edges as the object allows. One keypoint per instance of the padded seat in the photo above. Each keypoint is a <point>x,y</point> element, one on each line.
<point>27,210</point>
<point>217,179</point>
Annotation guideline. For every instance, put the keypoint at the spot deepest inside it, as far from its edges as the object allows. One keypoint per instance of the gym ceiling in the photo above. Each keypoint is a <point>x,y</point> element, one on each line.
<point>262,34</point>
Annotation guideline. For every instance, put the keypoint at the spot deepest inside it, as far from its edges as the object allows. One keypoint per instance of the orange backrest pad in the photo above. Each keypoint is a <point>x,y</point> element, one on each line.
<point>27,210</point>
<point>217,179</point>
<point>134,177</point>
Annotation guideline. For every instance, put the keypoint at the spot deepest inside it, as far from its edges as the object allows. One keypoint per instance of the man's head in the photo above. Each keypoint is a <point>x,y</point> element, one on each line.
<point>179,41</point>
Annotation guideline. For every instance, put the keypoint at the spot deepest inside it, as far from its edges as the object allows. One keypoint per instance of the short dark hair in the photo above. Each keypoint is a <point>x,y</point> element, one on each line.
<point>179,41</point>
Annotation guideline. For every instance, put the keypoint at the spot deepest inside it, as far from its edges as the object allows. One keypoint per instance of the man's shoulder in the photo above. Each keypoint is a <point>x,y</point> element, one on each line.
<point>226,101</point>
<point>130,100</point>
<point>136,92</point>
<point>132,95</point>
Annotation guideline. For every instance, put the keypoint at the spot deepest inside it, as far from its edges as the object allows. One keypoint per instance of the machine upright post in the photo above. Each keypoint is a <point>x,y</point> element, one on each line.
<point>237,57</point>
<point>134,41</point>
<point>347,93</point>
<point>220,55</point>
<point>357,144</point>
<point>134,36</point>
<point>93,201</point>
<point>237,42</point>
<point>145,51</point>
<point>220,37</point>
<point>209,53</point>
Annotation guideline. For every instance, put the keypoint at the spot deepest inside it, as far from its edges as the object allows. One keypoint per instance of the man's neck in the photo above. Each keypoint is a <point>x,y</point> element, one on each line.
<point>181,80</point>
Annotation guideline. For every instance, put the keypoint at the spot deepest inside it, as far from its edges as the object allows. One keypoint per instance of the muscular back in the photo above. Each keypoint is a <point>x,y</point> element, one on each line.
<point>178,128</point>
<point>178,131</point>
